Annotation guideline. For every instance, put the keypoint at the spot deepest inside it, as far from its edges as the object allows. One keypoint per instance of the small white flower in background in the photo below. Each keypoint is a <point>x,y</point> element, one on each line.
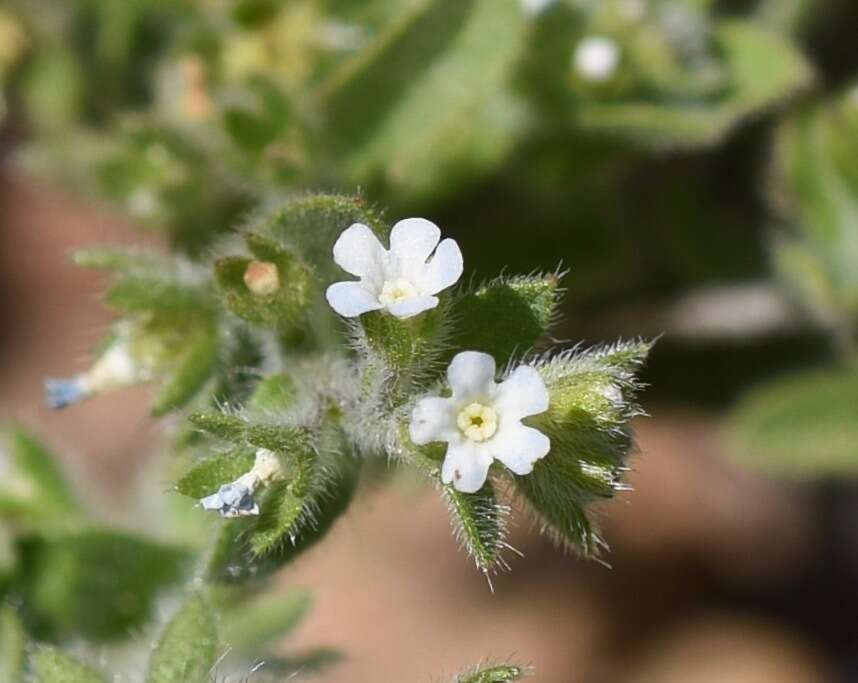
<point>596,58</point>
<point>402,280</point>
<point>236,498</point>
<point>536,7</point>
<point>481,421</point>
<point>116,368</point>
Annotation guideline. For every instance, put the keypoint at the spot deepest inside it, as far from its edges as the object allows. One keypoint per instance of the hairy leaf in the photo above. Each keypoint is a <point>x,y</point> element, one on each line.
<point>221,425</point>
<point>12,647</point>
<point>500,673</point>
<point>194,367</point>
<point>52,666</point>
<point>188,648</point>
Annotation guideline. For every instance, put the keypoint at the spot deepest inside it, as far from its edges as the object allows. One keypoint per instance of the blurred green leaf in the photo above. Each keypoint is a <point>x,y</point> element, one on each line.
<point>764,68</point>
<point>52,666</point>
<point>309,663</point>
<point>274,393</point>
<point>34,489</point>
<point>402,108</point>
<point>143,294</point>
<point>195,365</point>
<point>252,627</point>
<point>801,426</point>
<point>12,647</point>
<point>208,476</point>
<point>96,584</point>
<point>188,648</point>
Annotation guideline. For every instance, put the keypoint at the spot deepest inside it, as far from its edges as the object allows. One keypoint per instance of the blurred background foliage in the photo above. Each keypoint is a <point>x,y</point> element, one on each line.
<point>694,163</point>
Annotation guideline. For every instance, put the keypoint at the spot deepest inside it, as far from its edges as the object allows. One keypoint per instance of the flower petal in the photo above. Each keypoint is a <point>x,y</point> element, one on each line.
<point>358,251</point>
<point>411,242</point>
<point>413,305</point>
<point>351,299</point>
<point>466,466</point>
<point>433,419</point>
<point>444,270</point>
<point>521,394</point>
<point>471,374</point>
<point>519,447</point>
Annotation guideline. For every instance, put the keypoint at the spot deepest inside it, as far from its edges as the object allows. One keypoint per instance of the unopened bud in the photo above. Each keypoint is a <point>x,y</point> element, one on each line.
<point>262,278</point>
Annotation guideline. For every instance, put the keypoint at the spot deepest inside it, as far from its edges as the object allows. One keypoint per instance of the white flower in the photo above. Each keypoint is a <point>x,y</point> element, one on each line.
<point>596,58</point>
<point>481,421</point>
<point>116,368</point>
<point>236,498</point>
<point>404,280</point>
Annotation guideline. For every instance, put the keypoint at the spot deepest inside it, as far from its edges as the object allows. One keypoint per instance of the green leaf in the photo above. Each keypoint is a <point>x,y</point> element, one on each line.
<point>115,259</point>
<point>588,421</point>
<point>479,522</point>
<point>251,627</point>
<point>52,666</point>
<point>208,476</point>
<point>33,488</point>
<point>226,427</point>
<point>764,68</point>
<point>12,647</point>
<point>401,108</point>
<point>293,440</point>
<point>507,316</point>
<point>501,673</point>
<point>801,426</point>
<point>94,584</point>
<point>188,648</point>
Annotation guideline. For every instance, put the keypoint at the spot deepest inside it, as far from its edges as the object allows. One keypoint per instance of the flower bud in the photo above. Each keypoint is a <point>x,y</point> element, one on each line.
<point>262,278</point>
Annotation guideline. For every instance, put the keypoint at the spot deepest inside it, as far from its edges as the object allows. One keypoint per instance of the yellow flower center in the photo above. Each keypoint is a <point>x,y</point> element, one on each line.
<point>396,290</point>
<point>478,422</point>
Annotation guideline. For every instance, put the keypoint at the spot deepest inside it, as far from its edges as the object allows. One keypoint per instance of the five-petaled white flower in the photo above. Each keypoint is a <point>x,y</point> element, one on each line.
<point>481,421</point>
<point>403,280</point>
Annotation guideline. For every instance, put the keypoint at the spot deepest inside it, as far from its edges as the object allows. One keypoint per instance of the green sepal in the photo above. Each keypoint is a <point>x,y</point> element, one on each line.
<point>227,427</point>
<point>310,225</point>
<point>293,440</point>
<point>410,350</point>
<point>282,310</point>
<point>498,673</point>
<point>63,576</point>
<point>506,316</point>
<point>52,666</point>
<point>233,560</point>
<point>592,401</point>
<point>479,523</point>
<point>206,477</point>
<point>188,648</point>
